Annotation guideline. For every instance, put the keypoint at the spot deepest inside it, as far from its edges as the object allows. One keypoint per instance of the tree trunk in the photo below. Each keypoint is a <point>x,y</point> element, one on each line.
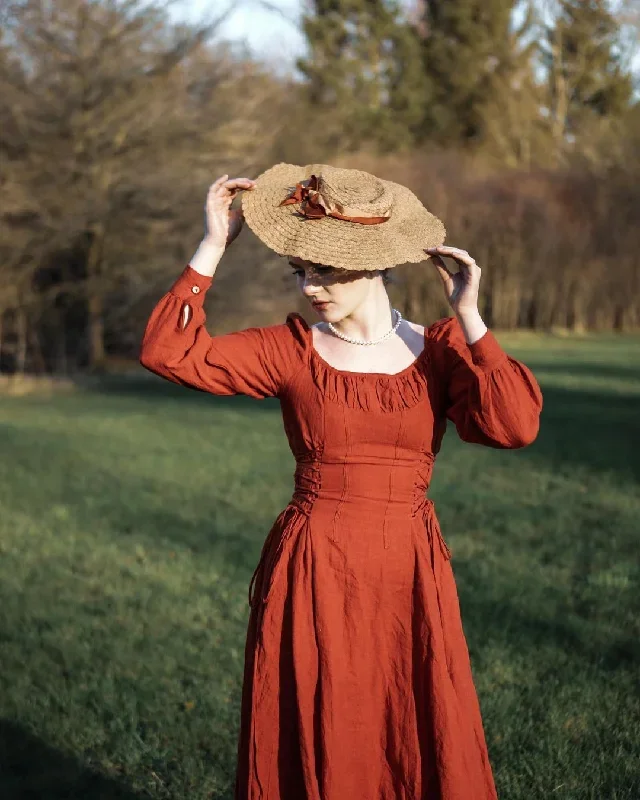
<point>39,365</point>
<point>96,331</point>
<point>21,340</point>
<point>95,300</point>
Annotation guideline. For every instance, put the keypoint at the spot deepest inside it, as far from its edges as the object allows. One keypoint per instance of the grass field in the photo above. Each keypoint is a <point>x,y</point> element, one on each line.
<point>133,516</point>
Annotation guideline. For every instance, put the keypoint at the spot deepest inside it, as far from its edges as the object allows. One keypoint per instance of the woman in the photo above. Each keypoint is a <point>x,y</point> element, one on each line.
<point>357,681</point>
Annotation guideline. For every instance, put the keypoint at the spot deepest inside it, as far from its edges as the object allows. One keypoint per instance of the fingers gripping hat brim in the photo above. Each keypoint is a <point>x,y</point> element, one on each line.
<point>402,238</point>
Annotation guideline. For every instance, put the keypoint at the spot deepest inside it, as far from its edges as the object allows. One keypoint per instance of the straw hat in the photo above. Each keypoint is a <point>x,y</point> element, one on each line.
<point>344,218</point>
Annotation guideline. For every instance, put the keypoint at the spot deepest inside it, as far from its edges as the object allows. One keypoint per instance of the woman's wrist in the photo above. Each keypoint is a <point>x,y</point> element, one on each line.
<point>207,257</point>
<point>472,325</point>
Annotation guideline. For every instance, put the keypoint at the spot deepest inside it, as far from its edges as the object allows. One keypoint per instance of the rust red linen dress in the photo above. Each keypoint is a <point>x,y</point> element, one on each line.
<point>357,681</point>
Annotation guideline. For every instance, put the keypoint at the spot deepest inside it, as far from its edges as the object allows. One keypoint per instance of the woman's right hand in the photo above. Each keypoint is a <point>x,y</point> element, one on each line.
<point>222,226</point>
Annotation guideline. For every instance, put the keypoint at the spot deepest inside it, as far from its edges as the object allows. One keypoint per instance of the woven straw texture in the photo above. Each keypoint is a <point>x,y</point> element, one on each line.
<point>403,238</point>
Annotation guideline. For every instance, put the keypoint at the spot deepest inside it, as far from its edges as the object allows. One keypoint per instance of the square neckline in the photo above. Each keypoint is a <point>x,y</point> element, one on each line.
<point>352,373</point>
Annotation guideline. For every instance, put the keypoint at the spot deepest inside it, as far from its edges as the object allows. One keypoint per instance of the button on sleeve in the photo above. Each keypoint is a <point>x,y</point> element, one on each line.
<point>191,285</point>
<point>176,345</point>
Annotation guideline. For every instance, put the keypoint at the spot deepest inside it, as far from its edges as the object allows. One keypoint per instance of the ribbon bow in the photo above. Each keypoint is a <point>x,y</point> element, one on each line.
<point>314,206</point>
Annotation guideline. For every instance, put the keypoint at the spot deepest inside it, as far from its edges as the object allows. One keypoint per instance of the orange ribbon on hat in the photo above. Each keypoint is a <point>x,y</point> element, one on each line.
<point>312,204</point>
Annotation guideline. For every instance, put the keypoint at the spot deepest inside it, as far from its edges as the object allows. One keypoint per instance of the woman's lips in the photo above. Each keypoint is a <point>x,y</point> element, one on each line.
<point>321,305</point>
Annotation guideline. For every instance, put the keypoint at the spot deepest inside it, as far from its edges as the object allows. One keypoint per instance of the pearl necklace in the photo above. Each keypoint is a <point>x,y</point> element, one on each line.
<point>368,341</point>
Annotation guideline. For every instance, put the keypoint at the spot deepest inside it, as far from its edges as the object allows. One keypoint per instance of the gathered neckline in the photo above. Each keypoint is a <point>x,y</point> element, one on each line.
<point>352,373</point>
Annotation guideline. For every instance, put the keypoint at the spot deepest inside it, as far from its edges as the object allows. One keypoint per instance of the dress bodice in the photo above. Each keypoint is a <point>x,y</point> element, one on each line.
<point>351,418</point>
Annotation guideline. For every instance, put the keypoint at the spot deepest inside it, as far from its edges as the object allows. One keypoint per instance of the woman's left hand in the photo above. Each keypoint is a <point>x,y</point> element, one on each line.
<point>461,288</point>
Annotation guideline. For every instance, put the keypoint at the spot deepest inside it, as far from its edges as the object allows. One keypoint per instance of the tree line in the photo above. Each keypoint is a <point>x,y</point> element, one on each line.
<point>518,123</point>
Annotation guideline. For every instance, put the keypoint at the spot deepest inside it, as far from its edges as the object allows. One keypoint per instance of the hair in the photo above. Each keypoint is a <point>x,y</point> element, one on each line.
<point>386,273</point>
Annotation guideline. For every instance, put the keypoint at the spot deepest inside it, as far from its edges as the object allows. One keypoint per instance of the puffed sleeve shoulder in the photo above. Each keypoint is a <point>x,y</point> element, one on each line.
<point>256,361</point>
<point>491,397</point>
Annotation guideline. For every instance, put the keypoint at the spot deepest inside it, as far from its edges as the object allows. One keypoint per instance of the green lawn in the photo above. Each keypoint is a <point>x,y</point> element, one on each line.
<point>133,516</point>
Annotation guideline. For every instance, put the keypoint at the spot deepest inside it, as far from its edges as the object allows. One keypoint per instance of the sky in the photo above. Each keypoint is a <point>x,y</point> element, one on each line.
<point>272,35</point>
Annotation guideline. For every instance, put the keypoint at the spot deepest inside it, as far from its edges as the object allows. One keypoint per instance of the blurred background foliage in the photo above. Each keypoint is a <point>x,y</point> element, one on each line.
<point>518,123</point>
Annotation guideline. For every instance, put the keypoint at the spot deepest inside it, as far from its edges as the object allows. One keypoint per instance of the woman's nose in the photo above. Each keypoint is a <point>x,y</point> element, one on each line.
<point>310,287</point>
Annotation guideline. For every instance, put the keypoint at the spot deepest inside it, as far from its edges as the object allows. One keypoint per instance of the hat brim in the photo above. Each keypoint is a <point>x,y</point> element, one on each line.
<point>403,238</point>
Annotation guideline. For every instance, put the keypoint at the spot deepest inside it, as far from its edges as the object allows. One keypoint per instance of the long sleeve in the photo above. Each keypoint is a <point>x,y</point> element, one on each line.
<point>176,345</point>
<point>491,397</point>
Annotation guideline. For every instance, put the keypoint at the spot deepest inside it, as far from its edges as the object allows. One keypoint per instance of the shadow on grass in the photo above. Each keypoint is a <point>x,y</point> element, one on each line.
<point>588,429</point>
<point>158,390</point>
<point>31,770</point>
<point>584,369</point>
<point>489,619</point>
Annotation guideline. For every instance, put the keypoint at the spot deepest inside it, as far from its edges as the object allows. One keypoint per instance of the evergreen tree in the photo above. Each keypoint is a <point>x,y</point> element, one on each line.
<point>469,49</point>
<point>513,130</point>
<point>585,76</point>
<point>364,69</point>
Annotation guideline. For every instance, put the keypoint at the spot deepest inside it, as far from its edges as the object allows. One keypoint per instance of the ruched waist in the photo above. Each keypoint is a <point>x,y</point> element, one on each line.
<point>379,493</point>
<point>398,488</point>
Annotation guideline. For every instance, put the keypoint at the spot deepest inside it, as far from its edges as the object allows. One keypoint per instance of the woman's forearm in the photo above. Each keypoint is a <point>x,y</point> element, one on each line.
<point>206,258</point>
